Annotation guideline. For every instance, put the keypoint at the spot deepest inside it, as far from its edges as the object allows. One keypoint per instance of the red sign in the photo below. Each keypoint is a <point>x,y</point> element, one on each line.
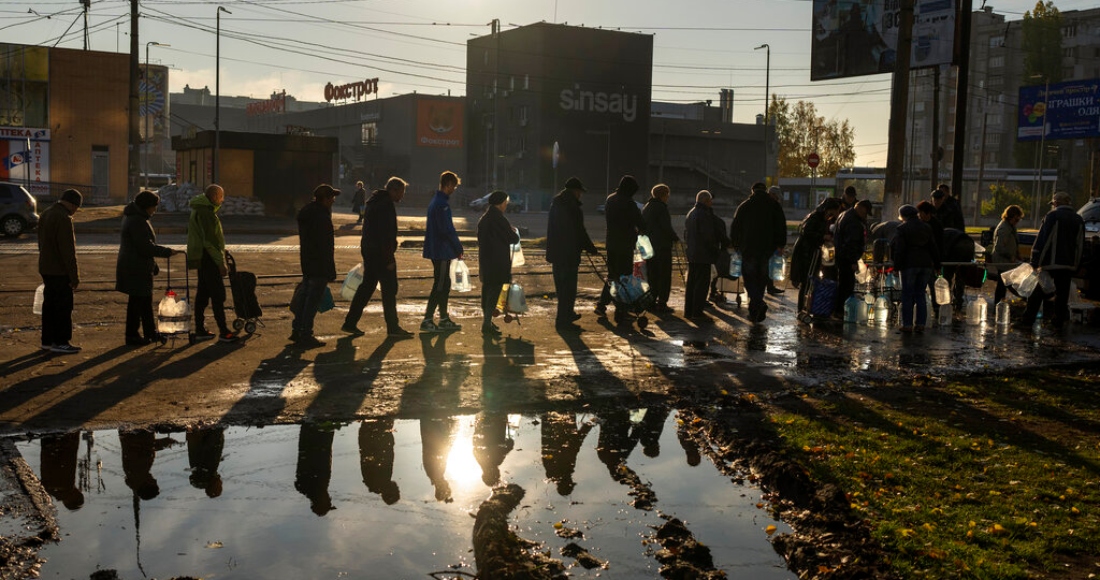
<point>276,104</point>
<point>813,160</point>
<point>351,90</point>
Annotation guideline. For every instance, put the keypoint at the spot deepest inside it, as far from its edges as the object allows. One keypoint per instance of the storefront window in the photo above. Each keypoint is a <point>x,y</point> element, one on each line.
<point>370,133</point>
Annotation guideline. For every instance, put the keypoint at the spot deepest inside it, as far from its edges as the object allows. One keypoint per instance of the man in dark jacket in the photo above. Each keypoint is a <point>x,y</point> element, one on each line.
<point>948,210</point>
<point>850,241</point>
<point>1056,251</point>
<point>658,224</point>
<point>495,237</point>
<point>441,246</point>
<point>566,238</point>
<point>60,273</point>
<point>916,256</point>
<point>758,230</point>
<point>813,232</point>
<point>624,223</point>
<point>357,201</point>
<point>136,266</point>
<point>378,246</point>
<point>702,241</point>
<point>317,244</point>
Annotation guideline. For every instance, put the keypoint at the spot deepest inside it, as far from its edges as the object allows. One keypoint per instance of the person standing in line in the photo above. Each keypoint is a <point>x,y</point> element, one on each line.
<point>624,223</point>
<point>136,266</point>
<point>812,233</point>
<point>948,210</point>
<point>441,246</point>
<point>1006,248</point>
<point>658,223</point>
<point>721,260</point>
<point>916,256</point>
<point>566,238</point>
<point>777,195</point>
<point>851,242</point>
<point>358,199</point>
<point>1057,251</point>
<point>378,247</point>
<point>317,245</point>
<point>702,243</point>
<point>758,230</point>
<point>848,200</point>
<point>495,237</point>
<point>206,253</point>
<point>927,213</point>
<point>60,272</point>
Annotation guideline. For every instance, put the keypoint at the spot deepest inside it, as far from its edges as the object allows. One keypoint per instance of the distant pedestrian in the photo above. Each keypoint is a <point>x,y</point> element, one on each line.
<point>60,273</point>
<point>702,242</point>
<point>1057,251</point>
<point>495,237</point>
<point>136,266</point>
<point>441,246</point>
<point>206,253</point>
<point>813,232</point>
<point>358,201</point>
<point>758,230</point>
<point>721,258</point>
<point>624,223</point>
<point>378,247</point>
<point>566,238</point>
<point>317,244</point>
<point>850,240</point>
<point>1006,248</point>
<point>777,195</point>
<point>658,225</point>
<point>916,256</point>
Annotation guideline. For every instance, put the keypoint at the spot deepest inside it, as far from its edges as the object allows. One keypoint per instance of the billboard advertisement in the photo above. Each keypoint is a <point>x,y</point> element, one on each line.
<point>153,103</point>
<point>859,37</point>
<point>1069,110</point>
<point>439,123</point>
<point>25,157</point>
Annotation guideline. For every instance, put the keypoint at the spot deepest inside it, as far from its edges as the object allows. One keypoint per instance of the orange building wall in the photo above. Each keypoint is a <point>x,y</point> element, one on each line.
<point>89,94</point>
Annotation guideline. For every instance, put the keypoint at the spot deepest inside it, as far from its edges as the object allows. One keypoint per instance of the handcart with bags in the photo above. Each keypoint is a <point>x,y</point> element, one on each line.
<point>174,314</point>
<point>245,304</point>
<point>630,293</point>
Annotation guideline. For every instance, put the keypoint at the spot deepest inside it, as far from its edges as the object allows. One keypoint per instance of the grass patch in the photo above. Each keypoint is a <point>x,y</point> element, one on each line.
<point>990,477</point>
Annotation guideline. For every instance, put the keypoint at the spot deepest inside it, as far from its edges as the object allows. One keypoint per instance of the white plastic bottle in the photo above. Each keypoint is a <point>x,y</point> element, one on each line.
<point>946,314</point>
<point>1003,313</point>
<point>943,291</point>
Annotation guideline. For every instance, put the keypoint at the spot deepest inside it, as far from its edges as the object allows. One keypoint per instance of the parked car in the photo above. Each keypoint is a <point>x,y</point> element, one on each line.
<point>18,210</point>
<point>1090,212</point>
<point>482,202</point>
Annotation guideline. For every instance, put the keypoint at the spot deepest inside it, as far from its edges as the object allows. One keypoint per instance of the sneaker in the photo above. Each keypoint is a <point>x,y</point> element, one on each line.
<point>600,310</point>
<point>398,333</point>
<point>446,324</point>
<point>428,326</point>
<point>774,291</point>
<point>352,330</point>
<point>204,335</point>
<point>47,346</point>
<point>576,316</point>
<point>137,341</point>
<point>490,330</point>
<point>65,348</point>
<point>309,342</point>
<point>227,337</point>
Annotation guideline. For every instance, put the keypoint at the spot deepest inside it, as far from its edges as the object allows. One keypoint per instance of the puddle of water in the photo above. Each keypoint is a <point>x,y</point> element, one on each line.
<point>392,497</point>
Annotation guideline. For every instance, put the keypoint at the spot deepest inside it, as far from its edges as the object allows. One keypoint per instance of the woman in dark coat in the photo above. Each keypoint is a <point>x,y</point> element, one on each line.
<point>495,237</point>
<point>812,233</point>
<point>136,267</point>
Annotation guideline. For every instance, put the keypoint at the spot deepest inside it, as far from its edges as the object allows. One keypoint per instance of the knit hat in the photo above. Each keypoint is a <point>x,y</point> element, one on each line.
<point>72,196</point>
<point>497,197</point>
<point>574,183</point>
<point>146,199</point>
<point>907,211</point>
<point>627,185</point>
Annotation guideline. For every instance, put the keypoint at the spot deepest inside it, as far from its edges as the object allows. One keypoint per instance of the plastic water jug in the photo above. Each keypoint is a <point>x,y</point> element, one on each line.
<point>893,281</point>
<point>928,304</point>
<point>777,267</point>
<point>644,247</point>
<point>828,254</point>
<point>947,313</point>
<point>976,310</point>
<point>39,296</point>
<point>882,310</point>
<point>852,307</point>
<point>1003,313</point>
<point>460,276</point>
<point>943,291</point>
<point>735,264</point>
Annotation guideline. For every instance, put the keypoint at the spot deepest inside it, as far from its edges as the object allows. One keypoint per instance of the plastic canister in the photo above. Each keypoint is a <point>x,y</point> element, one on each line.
<point>882,309</point>
<point>1003,313</point>
<point>943,291</point>
<point>777,267</point>
<point>947,313</point>
<point>735,264</point>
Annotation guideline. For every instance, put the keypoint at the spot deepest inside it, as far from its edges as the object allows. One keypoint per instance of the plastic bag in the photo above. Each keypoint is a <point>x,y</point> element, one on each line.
<point>517,253</point>
<point>39,298</point>
<point>517,302</point>
<point>863,274</point>
<point>352,282</point>
<point>644,247</point>
<point>1016,275</point>
<point>327,303</point>
<point>1046,282</point>
<point>460,276</point>
<point>1028,285</point>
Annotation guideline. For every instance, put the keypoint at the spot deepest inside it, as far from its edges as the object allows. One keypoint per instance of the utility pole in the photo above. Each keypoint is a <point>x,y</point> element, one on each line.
<point>86,4</point>
<point>496,99</point>
<point>899,103</point>
<point>936,153</point>
<point>135,124</point>
<point>962,96</point>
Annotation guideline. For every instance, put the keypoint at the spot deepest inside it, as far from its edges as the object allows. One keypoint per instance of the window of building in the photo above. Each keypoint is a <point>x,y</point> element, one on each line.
<point>992,139</point>
<point>527,80</point>
<point>523,115</point>
<point>919,107</point>
<point>997,62</point>
<point>24,86</point>
<point>996,41</point>
<point>369,133</point>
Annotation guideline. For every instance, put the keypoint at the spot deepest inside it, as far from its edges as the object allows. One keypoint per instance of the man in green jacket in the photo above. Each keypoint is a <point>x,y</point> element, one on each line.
<point>60,273</point>
<point>206,253</point>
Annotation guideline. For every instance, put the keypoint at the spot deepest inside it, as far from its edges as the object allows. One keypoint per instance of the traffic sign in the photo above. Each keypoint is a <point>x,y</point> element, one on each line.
<point>813,160</point>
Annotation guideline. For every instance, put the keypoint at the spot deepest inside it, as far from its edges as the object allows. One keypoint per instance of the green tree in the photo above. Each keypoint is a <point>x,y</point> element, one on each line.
<point>1001,196</point>
<point>800,131</point>
<point>1041,32</point>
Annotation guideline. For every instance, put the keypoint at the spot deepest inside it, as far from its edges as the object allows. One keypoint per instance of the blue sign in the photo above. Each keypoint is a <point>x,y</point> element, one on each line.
<point>1069,110</point>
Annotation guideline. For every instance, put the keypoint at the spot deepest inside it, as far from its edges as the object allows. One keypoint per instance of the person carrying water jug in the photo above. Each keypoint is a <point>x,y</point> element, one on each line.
<point>758,230</point>
<point>624,223</point>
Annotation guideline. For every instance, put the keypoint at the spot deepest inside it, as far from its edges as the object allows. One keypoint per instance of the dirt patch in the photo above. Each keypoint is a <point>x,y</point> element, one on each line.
<point>499,552</point>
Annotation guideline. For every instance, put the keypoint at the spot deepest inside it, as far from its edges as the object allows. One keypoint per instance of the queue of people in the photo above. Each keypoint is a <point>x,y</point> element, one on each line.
<point>922,245</point>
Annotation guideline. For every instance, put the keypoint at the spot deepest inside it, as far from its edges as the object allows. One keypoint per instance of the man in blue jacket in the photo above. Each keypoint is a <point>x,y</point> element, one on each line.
<point>1056,251</point>
<point>441,246</point>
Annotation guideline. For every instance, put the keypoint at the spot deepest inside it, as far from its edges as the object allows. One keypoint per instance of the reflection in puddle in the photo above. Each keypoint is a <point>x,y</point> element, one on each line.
<point>394,497</point>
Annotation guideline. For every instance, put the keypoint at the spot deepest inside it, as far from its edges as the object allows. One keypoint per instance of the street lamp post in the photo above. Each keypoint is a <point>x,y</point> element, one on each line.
<point>218,89</point>
<point>767,89</point>
<point>1042,146</point>
<point>145,158</point>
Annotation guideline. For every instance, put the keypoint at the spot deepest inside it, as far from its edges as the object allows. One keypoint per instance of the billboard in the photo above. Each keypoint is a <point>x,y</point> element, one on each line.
<point>439,123</point>
<point>25,157</point>
<point>859,37</point>
<point>153,103</point>
<point>1069,110</point>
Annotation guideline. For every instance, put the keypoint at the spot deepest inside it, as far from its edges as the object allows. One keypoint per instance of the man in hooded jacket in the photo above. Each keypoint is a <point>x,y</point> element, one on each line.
<point>758,230</point>
<point>566,238</point>
<point>206,253</point>
<point>624,223</point>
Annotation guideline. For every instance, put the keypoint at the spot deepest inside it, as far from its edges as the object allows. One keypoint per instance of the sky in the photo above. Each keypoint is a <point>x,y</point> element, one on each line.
<point>700,46</point>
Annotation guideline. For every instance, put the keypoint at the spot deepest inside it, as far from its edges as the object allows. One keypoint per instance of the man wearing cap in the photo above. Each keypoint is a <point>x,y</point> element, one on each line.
<point>206,253</point>
<point>758,230</point>
<point>850,241</point>
<point>916,256</point>
<point>1056,251</point>
<point>441,246</point>
<point>566,238</point>
<point>60,273</point>
<point>317,244</point>
<point>378,247</point>
<point>624,223</point>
